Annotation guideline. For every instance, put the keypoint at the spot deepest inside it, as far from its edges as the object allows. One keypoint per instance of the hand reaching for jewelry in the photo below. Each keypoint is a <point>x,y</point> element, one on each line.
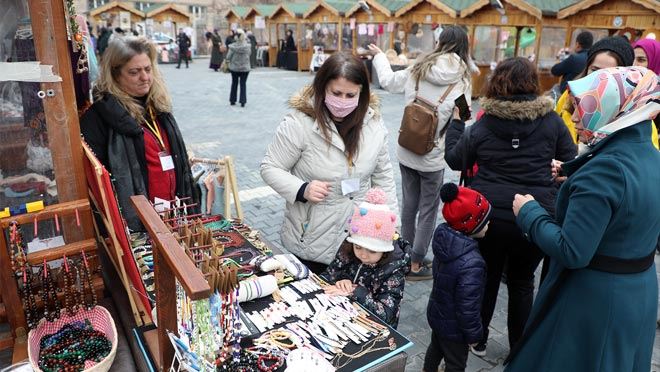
<point>316,191</point>
<point>345,285</point>
<point>332,290</point>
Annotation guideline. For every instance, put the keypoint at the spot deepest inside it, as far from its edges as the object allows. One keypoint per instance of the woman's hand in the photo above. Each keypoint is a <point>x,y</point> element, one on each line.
<point>557,174</point>
<point>316,191</point>
<point>373,49</point>
<point>519,201</point>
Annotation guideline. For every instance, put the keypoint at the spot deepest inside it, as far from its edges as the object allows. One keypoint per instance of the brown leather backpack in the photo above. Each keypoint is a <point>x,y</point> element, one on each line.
<point>419,123</point>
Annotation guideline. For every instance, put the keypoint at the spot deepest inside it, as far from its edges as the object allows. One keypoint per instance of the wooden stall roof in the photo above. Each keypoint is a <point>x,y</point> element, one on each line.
<point>576,6</point>
<point>343,7</point>
<point>387,7</point>
<point>320,5</point>
<point>468,7</point>
<point>251,13</point>
<point>438,4</point>
<point>159,11</point>
<point>121,6</point>
<point>238,11</point>
<point>265,10</point>
<point>282,10</point>
<point>298,9</point>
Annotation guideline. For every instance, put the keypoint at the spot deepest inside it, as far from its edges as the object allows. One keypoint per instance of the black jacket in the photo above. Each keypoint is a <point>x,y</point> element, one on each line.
<point>569,68</point>
<point>117,140</point>
<point>183,41</point>
<point>459,279</point>
<point>504,168</point>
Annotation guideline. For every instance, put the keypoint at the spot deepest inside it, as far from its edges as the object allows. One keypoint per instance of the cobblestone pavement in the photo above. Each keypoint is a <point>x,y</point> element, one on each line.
<point>213,128</point>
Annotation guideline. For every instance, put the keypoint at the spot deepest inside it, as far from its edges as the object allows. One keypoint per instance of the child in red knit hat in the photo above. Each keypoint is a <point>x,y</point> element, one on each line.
<point>459,277</point>
<point>371,265</point>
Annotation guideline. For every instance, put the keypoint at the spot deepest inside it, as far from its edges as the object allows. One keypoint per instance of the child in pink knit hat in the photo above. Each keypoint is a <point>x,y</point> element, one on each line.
<point>371,265</point>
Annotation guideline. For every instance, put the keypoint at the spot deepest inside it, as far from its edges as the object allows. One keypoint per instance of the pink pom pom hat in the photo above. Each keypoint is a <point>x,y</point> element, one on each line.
<point>372,225</point>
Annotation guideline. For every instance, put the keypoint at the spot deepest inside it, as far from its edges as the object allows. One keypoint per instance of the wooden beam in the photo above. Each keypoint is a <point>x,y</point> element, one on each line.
<point>70,250</point>
<point>577,7</point>
<point>61,210</point>
<point>473,8</point>
<point>526,7</point>
<point>9,291</point>
<point>51,44</point>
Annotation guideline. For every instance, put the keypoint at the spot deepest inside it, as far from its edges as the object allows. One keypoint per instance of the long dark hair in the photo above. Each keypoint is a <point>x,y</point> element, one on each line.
<point>453,39</point>
<point>351,68</point>
<point>590,61</point>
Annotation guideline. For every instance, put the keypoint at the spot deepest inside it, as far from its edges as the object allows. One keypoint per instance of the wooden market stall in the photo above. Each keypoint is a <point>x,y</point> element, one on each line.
<point>631,18</point>
<point>321,30</point>
<point>236,16</point>
<point>497,34</point>
<point>168,18</point>
<point>375,24</point>
<point>109,15</point>
<point>45,194</point>
<point>286,17</point>
<point>418,19</point>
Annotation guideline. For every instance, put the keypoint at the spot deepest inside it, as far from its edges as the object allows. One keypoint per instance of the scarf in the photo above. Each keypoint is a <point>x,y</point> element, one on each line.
<point>652,49</point>
<point>611,99</point>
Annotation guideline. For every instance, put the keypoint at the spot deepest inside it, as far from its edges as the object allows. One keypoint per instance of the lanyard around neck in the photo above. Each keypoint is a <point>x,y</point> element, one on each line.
<point>153,126</point>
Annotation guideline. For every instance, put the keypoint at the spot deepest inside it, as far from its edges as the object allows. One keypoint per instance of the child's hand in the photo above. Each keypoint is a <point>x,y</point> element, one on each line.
<point>333,290</point>
<point>345,285</point>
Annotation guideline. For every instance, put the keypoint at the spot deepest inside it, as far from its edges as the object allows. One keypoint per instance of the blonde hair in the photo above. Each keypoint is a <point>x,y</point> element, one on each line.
<point>116,56</point>
<point>241,34</point>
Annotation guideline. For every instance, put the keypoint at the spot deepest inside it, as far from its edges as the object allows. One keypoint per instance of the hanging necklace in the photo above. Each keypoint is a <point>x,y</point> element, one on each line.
<point>364,350</point>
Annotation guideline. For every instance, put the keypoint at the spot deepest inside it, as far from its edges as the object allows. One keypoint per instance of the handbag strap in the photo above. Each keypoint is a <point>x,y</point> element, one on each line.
<point>442,98</point>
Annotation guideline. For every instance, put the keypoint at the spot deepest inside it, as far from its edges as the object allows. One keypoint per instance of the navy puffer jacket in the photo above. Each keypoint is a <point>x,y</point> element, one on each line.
<point>459,276</point>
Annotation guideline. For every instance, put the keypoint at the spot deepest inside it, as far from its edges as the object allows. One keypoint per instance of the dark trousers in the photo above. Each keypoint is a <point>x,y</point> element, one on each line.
<point>455,355</point>
<point>236,78</point>
<point>183,55</point>
<point>504,242</point>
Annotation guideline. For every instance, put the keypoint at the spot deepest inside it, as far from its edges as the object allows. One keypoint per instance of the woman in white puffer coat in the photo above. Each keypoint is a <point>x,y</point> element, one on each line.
<point>422,175</point>
<point>326,154</point>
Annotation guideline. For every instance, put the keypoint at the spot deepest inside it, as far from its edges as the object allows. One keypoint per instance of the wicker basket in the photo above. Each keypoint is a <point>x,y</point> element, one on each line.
<point>101,321</point>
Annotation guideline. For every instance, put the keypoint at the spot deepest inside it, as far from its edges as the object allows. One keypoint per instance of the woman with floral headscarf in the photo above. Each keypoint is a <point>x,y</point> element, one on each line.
<point>596,309</point>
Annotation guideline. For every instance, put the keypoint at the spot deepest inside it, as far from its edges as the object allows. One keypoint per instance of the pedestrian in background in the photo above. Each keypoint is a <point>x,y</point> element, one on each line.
<point>239,66</point>
<point>514,144</point>
<point>326,154</point>
<point>183,40</point>
<point>443,71</point>
<point>647,54</point>
<point>596,310</point>
<point>574,64</point>
<point>459,277</point>
<point>253,47</point>
<point>216,49</point>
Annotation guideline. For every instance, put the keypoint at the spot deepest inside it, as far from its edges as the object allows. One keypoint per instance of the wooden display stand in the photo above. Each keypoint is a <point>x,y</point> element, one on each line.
<point>51,45</point>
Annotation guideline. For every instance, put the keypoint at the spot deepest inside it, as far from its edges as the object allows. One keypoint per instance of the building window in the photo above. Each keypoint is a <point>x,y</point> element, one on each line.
<point>197,11</point>
<point>97,3</point>
<point>141,5</point>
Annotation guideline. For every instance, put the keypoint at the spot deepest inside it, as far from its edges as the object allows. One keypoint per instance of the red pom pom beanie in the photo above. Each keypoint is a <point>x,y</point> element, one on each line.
<point>464,209</point>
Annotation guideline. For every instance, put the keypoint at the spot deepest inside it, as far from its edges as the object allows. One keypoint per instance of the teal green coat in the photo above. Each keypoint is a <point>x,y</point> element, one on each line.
<point>609,205</point>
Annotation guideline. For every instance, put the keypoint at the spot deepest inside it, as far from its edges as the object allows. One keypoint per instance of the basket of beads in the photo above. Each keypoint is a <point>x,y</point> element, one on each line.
<point>84,341</point>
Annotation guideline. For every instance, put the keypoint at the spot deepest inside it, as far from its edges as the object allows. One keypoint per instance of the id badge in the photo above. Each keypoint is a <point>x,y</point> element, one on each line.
<point>166,161</point>
<point>350,185</point>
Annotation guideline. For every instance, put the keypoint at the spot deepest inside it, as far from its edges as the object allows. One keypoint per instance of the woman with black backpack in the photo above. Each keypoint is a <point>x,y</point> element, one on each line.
<point>513,143</point>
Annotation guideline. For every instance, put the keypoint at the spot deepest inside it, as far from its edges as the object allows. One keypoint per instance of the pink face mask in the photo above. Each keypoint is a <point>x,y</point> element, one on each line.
<point>341,107</point>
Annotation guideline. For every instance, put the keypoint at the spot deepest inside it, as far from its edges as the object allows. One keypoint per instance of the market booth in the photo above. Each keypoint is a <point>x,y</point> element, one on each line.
<point>168,18</point>
<point>113,14</point>
<point>321,33</point>
<point>258,23</point>
<point>287,16</point>
<point>416,21</point>
<point>236,16</point>
<point>47,238</point>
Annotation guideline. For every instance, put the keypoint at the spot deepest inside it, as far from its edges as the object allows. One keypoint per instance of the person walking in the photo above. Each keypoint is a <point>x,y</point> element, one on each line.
<point>596,310</point>
<point>513,144</point>
<point>326,154</point>
<point>239,66</point>
<point>459,278</point>
<point>183,40</point>
<point>445,71</point>
<point>216,49</point>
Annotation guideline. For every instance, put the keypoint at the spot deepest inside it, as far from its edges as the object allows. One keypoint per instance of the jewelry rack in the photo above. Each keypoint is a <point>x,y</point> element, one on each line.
<point>231,186</point>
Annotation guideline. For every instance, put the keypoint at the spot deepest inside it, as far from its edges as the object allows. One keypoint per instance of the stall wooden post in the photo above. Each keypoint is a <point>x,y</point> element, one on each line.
<point>170,265</point>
